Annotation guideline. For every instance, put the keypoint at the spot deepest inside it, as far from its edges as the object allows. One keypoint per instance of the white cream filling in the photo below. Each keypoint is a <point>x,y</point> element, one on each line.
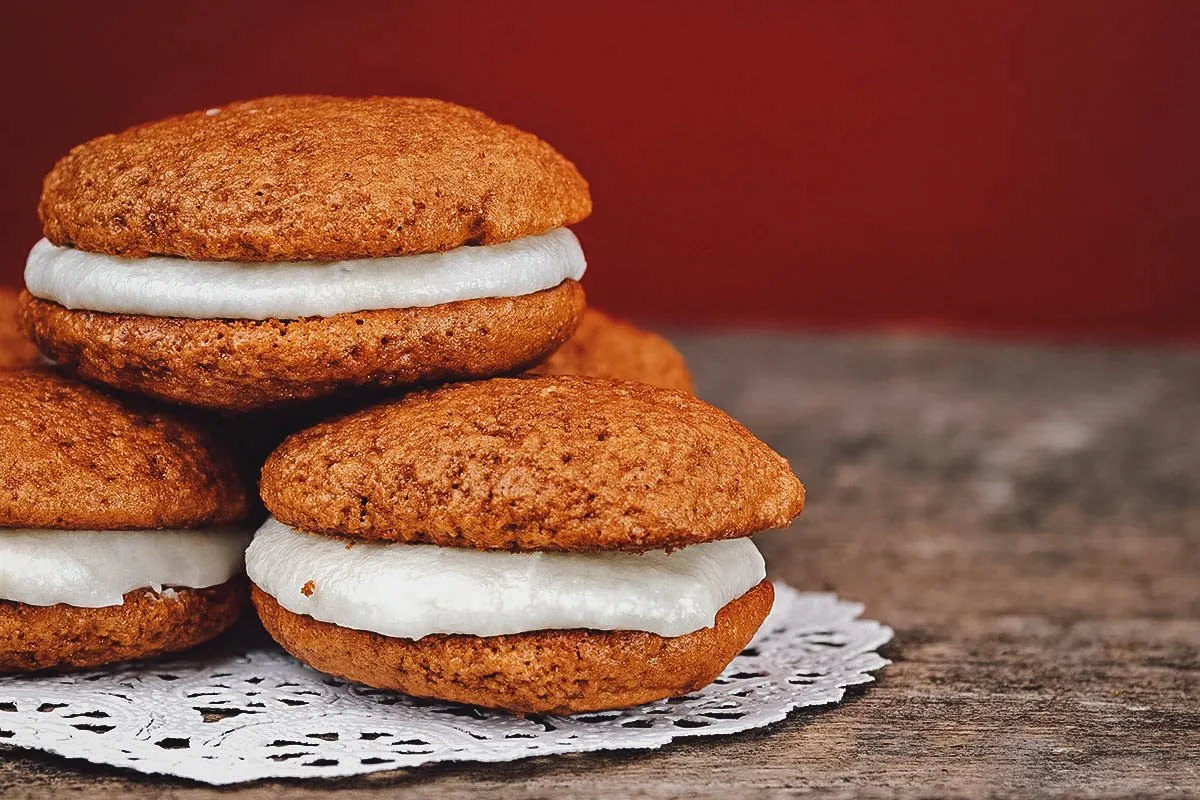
<point>412,590</point>
<point>93,569</point>
<point>174,287</point>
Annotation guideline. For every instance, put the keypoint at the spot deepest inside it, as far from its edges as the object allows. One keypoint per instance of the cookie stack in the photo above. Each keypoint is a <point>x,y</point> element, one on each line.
<point>541,543</point>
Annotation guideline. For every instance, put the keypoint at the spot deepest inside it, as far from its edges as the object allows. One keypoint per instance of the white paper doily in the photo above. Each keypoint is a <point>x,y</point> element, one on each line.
<point>235,717</point>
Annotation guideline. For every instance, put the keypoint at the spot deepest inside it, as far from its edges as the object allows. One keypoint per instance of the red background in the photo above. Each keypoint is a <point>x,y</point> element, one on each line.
<point>1018,167</point>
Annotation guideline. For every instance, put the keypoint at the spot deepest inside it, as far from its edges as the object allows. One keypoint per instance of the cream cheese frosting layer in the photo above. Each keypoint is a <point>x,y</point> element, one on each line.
<point>93,569</point>
<point>412,590</point>
<point>174,287</point>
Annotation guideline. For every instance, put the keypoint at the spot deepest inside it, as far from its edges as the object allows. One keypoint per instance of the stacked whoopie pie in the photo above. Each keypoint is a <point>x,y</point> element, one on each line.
<point>548,544</point>
<point>544,543</point>
<point>292,248</point>
<point>118,528</point>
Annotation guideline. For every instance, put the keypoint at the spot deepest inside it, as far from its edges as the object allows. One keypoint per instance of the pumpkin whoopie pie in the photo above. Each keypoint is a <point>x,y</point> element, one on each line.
<point>291,247</point>
<point>542,545</point>
<point>604,347</point>
<point>119,527</point>
<point>15,350</point>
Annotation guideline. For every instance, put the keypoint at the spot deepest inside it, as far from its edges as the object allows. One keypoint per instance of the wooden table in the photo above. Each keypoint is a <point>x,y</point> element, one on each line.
<point>1027,519</point>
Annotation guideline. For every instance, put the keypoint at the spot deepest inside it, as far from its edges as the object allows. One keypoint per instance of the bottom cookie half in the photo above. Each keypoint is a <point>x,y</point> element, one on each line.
<point>555,672</point>
<point>147,624</point>
<point>243,365</point>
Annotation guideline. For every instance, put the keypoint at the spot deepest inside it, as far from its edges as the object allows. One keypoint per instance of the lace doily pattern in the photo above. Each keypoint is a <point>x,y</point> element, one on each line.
<point>244,716</point>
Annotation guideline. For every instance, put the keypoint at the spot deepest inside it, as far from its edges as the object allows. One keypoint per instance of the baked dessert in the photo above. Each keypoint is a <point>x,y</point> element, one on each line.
<point>122,528</point>
<point>543,545</point>
<point>605,347</point>
<point>15,350</point>
<point>292,247</point>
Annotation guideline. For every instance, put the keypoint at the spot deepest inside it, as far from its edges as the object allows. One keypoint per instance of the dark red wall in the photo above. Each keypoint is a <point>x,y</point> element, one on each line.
<point>1019,166</point>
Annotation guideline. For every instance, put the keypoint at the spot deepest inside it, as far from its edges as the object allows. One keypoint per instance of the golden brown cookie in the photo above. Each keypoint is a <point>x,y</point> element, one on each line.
<point>243,365</point>
<point>146,625</point>
<point>310,178</point>
<point>75,457</point>
<point>547,463</point>
<point>542,672</point>
<point>15,350</point>
<point>604,347</point>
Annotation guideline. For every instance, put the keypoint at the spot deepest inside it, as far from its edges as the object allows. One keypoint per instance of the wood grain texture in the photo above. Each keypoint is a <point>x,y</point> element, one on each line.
<point>1027,519</point>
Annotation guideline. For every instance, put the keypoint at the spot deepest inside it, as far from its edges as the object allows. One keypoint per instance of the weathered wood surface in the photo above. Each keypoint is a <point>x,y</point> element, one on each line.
<point>1027,519</point>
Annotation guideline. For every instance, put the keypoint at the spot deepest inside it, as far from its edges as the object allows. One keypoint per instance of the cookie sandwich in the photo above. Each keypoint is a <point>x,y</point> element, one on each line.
<point>605,347</point>
<point>121,528</point>
<point>15,350</point>
<point>542,545</point>
<point>292,247</point>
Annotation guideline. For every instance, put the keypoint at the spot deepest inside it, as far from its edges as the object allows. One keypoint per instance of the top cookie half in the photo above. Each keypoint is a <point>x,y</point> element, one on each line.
<point>544,463</point>
<point>76,457</point>
<point>310,178</point>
